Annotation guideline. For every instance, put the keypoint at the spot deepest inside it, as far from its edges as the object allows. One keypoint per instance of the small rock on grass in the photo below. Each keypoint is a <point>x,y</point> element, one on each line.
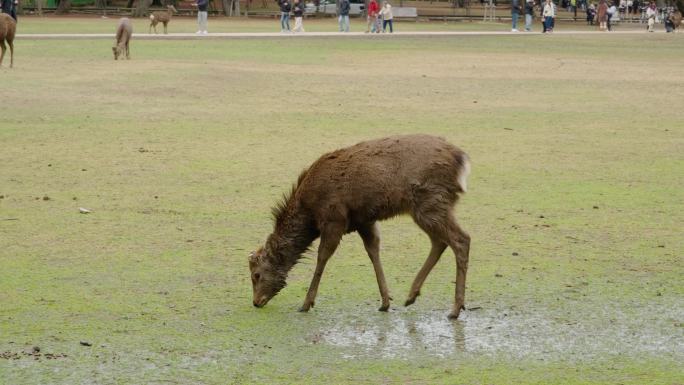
<point>83,210</point>
<point>85,343</point>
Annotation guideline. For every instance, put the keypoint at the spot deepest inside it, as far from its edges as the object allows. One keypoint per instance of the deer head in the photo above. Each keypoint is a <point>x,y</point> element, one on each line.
<point>267,277</point>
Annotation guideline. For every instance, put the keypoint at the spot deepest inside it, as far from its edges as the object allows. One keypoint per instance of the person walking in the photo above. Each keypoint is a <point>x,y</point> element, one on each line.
<point>285,8</point>
<point>201,16</point>
<point>529,14</point>
<point>343,18</point>
<point>651,13</point>
<point>298,14</point>
<point>573,7</point>
<point>387,16</point>
<point>515,13</point>
<point>602,15</point>
<point>612,10</point>
<point>591,14</point>
<point>549,13</point>
<point>372,18</point>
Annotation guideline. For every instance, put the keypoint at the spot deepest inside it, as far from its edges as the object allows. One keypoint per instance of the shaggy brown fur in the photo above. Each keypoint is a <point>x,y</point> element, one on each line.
<point>123,37</point>
<point>8,28</point>
<point>163,17</point>
<point>676,18</point>
<point>349,190</point>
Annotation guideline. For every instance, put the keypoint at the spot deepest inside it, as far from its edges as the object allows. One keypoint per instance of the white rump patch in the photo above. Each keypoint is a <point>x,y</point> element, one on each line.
<point>463,174</point>
<point>151,17</point>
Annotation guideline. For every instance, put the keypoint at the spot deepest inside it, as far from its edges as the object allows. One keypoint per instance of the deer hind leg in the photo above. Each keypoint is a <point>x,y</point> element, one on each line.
<point>438,247</point>
<point>165,23</point>
<point>459,241</point>
<point>434,217</point>
<point>11,46</point>
<point>128,54</point>
<point>330,238</point>
<point>371,241</point>
<point>2,49</point>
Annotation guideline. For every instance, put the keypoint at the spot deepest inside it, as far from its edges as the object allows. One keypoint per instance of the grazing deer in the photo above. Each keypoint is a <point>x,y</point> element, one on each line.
<point>350,190</point>
<point>123,37</point>
<point>8,27</point>
<point>163,17</point>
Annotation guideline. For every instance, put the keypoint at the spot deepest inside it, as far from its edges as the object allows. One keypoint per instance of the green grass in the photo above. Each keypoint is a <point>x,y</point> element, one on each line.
<point>578,169</point>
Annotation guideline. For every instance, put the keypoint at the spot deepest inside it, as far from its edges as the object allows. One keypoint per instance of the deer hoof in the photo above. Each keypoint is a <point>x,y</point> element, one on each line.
<point>384,308</point>
<point>303,309</point>
<point>410,301</point>
<point>456,312</point>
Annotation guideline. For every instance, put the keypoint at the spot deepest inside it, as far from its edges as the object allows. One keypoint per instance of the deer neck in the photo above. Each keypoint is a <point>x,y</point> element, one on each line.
<point>292,236</point>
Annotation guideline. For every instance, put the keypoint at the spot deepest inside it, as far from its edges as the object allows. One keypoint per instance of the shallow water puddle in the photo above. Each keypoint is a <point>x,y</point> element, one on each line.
<point>542,336</point>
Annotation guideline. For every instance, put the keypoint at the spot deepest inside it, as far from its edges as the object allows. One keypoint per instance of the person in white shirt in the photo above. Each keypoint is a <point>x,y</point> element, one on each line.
<point>651,13</point>
<point>549,14</point>
<point>386,13</point>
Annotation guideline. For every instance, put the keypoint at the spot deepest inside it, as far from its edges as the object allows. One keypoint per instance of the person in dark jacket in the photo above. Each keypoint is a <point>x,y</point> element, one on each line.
<point>202,16</point>
<point>344,15</point>
<point>529,15</point>
<point>285,9</point>
<point>298,14</point>
<point>515,13</point>
<point>10,7</point>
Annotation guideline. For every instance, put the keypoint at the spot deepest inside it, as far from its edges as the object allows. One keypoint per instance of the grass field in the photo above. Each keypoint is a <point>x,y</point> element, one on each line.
<point>575,210</point>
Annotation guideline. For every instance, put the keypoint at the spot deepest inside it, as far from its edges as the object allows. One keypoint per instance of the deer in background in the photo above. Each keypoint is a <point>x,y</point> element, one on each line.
<point>350,190</point>
<point>163,17</point>
<point>8,28</point>
<point>123,36</point>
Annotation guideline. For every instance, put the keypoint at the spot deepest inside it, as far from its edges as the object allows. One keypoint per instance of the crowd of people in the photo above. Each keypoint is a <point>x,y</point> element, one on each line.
<point>379,18</point>
<point>600,14</point>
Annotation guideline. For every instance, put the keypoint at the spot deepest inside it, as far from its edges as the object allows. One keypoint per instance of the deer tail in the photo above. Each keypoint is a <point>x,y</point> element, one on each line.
<point>152,17</point>
<point>463,171</point>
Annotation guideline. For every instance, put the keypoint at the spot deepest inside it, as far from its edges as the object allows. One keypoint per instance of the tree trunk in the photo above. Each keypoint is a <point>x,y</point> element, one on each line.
<point>680,5</point>
<point>142,8</point>
<point>64,7</point>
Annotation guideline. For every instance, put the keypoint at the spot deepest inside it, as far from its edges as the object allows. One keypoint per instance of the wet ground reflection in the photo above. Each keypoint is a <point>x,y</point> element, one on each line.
<point>609,331</point>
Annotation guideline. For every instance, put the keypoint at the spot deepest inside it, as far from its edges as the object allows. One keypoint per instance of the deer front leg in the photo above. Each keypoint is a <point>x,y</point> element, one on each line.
<point>371,241</point>
<point>329,241</point>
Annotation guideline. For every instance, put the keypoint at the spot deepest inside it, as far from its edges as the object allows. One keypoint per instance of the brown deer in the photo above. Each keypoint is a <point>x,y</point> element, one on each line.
<point>123,37</point>
<point>350,190</point>
<point>676,20</point>
<point>8,28</point>
<point>163,17</point>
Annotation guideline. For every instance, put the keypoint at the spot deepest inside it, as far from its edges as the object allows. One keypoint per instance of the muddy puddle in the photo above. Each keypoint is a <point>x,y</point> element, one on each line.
<point>586,335</point>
